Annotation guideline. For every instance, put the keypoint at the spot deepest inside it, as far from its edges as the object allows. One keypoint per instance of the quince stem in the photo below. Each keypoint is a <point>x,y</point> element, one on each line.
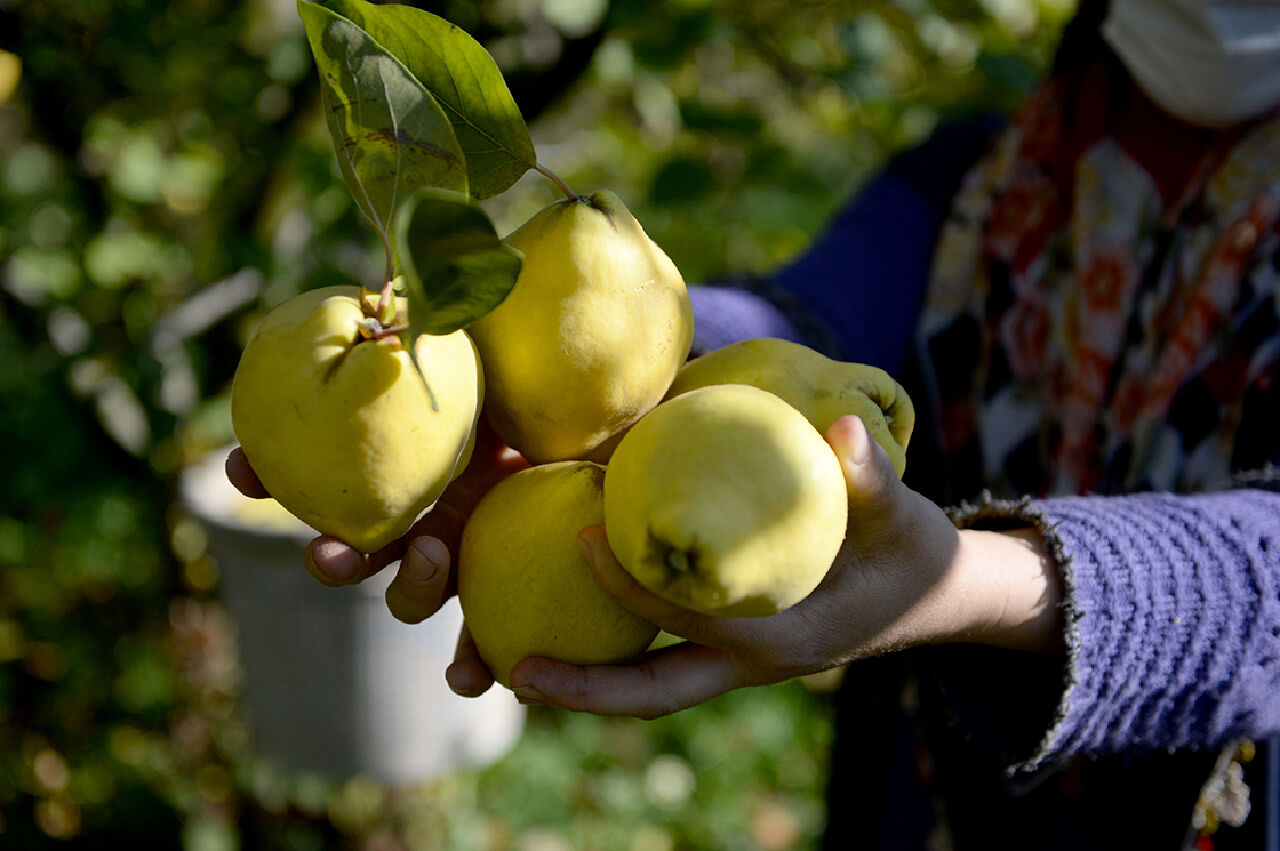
<point>385,301</point>
<point>372,329</point>
<point>558,181</point>
<point>385,321</point>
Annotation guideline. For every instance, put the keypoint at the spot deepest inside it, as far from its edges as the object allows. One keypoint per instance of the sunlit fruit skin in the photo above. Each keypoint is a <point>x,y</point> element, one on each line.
<point>821,388</point>
<point>598,324</point>
<point>525,587</point>
<point>343,431</point>
<point>725,500</point>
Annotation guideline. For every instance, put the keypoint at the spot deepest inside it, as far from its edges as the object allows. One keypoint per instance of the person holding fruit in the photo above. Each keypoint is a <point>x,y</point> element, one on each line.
<point>1083,305</point>
<point>1083,651</point>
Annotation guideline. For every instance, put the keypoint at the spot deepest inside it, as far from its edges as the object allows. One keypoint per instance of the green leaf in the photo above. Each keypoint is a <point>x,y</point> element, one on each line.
<point>463,77</point>
<point>454,266</point>
<point>389,134</point>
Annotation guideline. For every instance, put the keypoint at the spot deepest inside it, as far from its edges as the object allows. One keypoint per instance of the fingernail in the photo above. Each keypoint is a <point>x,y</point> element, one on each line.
<point>342,565</point>
<point>461,689</point>
<point>529,696</point>
<point>313,567</point>
<point>433,552</point>
<point>859,444</point>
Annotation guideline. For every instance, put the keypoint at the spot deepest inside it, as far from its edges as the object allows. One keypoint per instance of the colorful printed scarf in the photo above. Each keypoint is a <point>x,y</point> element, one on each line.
<point>1102,313</point>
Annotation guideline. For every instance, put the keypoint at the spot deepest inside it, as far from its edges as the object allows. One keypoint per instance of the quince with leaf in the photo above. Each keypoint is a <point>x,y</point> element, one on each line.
<point>341,425</point>
<point>355,408</point>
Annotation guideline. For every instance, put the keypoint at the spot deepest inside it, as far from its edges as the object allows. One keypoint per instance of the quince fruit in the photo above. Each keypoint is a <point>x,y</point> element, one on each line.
<point>342,428</point>
<point>727,501</point>
<point>524,585</point>
<point>817,386</point>
<point>589,339</point>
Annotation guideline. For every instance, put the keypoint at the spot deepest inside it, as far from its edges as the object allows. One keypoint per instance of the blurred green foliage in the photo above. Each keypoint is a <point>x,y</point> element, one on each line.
<point>165,179</point>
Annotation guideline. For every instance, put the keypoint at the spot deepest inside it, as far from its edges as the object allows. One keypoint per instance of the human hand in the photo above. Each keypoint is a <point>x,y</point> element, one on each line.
<point>904,576</point>
<point>424,580</point>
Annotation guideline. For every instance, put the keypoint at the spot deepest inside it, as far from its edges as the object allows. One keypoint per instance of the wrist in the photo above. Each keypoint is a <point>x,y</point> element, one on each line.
<point>1014,587</point>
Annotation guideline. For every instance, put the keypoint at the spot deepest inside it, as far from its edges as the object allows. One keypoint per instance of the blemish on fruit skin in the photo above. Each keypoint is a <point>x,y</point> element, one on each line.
<point>602,210</point>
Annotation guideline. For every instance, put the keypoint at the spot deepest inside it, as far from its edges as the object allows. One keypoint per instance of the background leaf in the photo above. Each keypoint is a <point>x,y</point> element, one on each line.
<point>455,267</point>
<point>466,81</point>
<point>389,134</point>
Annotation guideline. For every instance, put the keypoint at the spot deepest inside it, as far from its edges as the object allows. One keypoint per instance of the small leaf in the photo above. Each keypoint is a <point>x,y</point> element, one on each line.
<point>455,268</point>
<point>468,84</point>
<point>389,134</point>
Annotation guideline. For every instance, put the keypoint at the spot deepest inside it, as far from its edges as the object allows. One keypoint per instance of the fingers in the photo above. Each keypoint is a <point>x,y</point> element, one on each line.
<point>491,462</point>
<point>443,521</point>
<point>242,476</point>
<point>868,472</point>
<point>467,676</point>
<point>669,680</point>
<point>421,585</point>
<point>333,562</point>
<point>491,459</point>
<point>702,629</point>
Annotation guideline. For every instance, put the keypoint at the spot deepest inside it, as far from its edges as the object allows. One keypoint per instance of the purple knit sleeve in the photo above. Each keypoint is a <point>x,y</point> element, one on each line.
<point>1172,608</point>
<point>1174,620</point>
<point>729,314</point>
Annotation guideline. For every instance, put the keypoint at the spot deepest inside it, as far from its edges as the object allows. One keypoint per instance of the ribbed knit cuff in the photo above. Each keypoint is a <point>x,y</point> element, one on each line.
<point>1177,634</point>
<point>1172,607</point>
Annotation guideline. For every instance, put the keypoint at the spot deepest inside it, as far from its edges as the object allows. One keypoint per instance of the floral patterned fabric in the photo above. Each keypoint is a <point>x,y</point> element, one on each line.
<point>1110,273</point>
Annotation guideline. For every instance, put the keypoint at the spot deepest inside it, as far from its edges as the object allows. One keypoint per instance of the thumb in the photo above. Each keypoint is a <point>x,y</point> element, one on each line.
<point>869,474</point>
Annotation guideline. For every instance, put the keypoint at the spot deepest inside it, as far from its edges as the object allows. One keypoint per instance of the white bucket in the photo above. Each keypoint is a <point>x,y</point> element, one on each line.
<point>332,682</point>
